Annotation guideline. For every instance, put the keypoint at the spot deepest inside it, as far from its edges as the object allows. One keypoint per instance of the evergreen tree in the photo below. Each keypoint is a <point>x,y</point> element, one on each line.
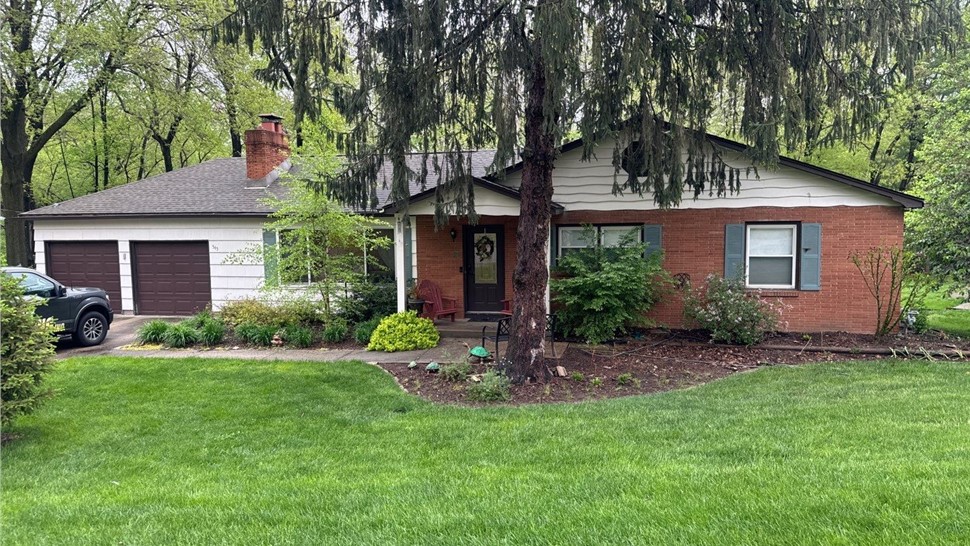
<point>454,75</point>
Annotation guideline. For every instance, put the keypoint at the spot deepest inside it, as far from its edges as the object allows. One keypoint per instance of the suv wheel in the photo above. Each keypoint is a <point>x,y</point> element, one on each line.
<point>91,329</point>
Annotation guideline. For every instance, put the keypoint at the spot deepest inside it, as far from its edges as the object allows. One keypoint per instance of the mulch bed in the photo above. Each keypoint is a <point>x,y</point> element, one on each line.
<point>666,361</point>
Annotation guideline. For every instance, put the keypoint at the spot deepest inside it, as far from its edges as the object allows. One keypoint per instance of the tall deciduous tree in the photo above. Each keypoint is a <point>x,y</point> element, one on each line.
<point>49,48</point>
<point>452,75</point>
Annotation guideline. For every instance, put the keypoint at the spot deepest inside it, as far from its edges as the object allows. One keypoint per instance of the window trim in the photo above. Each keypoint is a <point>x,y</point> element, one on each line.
<point>599,234</point>
<point>796,237</point>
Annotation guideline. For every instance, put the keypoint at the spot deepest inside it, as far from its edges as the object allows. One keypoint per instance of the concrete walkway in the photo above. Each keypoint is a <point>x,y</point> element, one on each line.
<point>122,341</point>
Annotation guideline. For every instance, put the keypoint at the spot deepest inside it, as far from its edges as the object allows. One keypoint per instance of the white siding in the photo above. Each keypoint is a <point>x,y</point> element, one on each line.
<point>487,203</point>
<point>226,236</point>
<point>588,185</point>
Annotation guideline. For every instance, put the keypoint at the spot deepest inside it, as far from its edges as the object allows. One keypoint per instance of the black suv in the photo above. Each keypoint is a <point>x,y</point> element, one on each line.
<point>83,313</point>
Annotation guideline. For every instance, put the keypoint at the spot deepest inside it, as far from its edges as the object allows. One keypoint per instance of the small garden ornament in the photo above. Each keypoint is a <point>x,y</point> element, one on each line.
<point>479,352</point>
<point>432,367</point>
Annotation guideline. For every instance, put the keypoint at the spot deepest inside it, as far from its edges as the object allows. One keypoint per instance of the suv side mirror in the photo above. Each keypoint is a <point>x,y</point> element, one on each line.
<point>60,291</point>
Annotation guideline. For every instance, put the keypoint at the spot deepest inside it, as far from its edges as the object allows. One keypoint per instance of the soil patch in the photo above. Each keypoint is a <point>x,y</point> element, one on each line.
<point>661,362</point>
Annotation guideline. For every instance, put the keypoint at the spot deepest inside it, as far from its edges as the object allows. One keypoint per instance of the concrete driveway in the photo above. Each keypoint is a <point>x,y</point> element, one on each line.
<point>121,332</point>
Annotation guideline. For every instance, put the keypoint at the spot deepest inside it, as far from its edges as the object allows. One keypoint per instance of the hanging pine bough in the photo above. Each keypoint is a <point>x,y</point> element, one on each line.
<point>450,76</point>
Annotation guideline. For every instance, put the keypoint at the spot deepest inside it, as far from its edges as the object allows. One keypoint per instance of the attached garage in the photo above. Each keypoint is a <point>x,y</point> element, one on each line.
<point>171,277</point>
<point>86,263</point>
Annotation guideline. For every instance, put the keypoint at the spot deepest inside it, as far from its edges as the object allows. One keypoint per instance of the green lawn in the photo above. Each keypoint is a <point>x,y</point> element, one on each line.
<point>162,451</point>
<point>941,315</point>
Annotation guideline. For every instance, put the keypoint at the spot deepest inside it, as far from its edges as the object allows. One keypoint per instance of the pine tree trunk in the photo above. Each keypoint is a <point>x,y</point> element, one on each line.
<point>526,352</point>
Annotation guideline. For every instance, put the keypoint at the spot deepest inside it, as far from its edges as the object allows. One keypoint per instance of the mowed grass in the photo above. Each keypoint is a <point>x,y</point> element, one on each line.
<point>941,316</point>
<point>163,451</point>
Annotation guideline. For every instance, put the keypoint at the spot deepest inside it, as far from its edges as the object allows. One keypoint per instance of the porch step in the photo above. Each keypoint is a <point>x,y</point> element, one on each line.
<point>464,328</point>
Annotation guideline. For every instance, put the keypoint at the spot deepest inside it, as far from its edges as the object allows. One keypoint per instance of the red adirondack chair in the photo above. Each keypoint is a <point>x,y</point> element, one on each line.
<point>435,304</point>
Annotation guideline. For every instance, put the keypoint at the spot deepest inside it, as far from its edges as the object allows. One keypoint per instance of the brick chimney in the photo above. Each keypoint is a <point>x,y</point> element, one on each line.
<point>266,146</point>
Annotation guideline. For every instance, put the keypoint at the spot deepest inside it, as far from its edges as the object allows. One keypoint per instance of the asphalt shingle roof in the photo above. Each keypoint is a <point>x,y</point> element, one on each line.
<point>217,187</point>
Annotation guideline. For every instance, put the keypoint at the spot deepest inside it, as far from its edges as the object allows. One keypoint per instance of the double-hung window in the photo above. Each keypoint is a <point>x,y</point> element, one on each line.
<point>572,238</point>
<point>770,259</point>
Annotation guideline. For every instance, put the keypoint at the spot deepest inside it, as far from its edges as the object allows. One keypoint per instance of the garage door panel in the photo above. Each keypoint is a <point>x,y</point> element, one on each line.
<point>171,278</point>
<point>86,263</point>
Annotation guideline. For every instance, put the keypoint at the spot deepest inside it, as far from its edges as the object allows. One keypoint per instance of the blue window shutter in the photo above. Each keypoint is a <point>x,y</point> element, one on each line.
<point>270,256</point>
<point>408,258</point>
<point>733,251</point>
<point>653,237</point>
<point>811,257</point>
<point>553,245</point>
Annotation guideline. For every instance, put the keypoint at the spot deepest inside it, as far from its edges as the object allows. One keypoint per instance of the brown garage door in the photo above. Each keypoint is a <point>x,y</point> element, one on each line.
<point>88,263</point>
<point>171,278</point>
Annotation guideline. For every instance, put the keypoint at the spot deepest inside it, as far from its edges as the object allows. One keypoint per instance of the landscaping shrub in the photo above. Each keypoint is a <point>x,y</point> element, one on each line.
<point>199,319</point>
<point>730,313</point>
<point>336,330</point>
<point>235,313</point>
<point>303,311</point>
<point>153,331</point>
<point>494,387</point>
<point>256,334</point>
<point>458,372</point>
<point>26,351</point>
<point>403,331</point>
<point>364,330</point>
<point>298,336</point>
<point>181,335</point>
<point>602,291</point>
<point>367,300</point>
<point>211,332</point>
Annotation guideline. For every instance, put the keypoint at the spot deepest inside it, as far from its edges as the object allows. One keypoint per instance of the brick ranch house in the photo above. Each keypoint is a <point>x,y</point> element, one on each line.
<point>160,245</point>
<point>792,229</point>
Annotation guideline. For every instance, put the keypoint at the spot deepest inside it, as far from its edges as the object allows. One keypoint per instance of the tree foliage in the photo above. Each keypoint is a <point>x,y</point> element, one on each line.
<point>319,243</point>
<point>26,351</point>
<point>460,74</point>
<point>940,233</point>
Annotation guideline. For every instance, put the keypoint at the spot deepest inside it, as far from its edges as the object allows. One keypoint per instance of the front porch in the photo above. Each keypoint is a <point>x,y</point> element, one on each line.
<point>471,264</point>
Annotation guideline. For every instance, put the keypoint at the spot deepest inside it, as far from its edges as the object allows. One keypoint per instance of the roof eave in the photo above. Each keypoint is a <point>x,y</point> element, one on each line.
<point>490,185</point>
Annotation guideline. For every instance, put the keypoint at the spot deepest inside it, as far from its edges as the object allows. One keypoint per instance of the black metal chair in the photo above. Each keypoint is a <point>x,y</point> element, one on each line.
<point>502,333</point>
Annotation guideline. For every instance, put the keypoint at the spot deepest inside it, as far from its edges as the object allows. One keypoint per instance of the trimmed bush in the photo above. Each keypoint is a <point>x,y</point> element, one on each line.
<point>404,331</point>
<point>181,335</point>
<point>26,351</point>
<point>303,311</point>
<point>336,331</point>
<point>251,311</point>
<point>367,300</point>
<point>298,336</point>
<point>364,330</point>
<point>153,331</point>
<point>211,332</point>
<point>730,313</point>
<point>494,387</point>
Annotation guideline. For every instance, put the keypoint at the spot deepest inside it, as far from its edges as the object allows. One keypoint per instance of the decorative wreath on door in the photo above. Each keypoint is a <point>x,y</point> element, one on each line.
<point>484,248</point>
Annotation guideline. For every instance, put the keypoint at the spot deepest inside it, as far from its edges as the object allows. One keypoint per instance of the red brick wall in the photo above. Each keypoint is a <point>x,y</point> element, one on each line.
<point>693,242</point>
<point>264,151</point>
<point>439,258</point>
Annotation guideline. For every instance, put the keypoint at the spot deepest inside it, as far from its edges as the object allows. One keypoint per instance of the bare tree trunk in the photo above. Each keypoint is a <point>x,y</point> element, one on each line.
<point>105,138</point>
<point>526,352</point>
<point>16,199</point>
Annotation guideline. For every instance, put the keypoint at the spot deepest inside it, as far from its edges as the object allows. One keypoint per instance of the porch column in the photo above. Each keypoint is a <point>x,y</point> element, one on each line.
<point>401,278</point>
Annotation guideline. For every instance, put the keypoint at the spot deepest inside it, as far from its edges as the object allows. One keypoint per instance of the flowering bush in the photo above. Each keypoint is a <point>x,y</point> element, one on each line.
<point>730,313</point>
